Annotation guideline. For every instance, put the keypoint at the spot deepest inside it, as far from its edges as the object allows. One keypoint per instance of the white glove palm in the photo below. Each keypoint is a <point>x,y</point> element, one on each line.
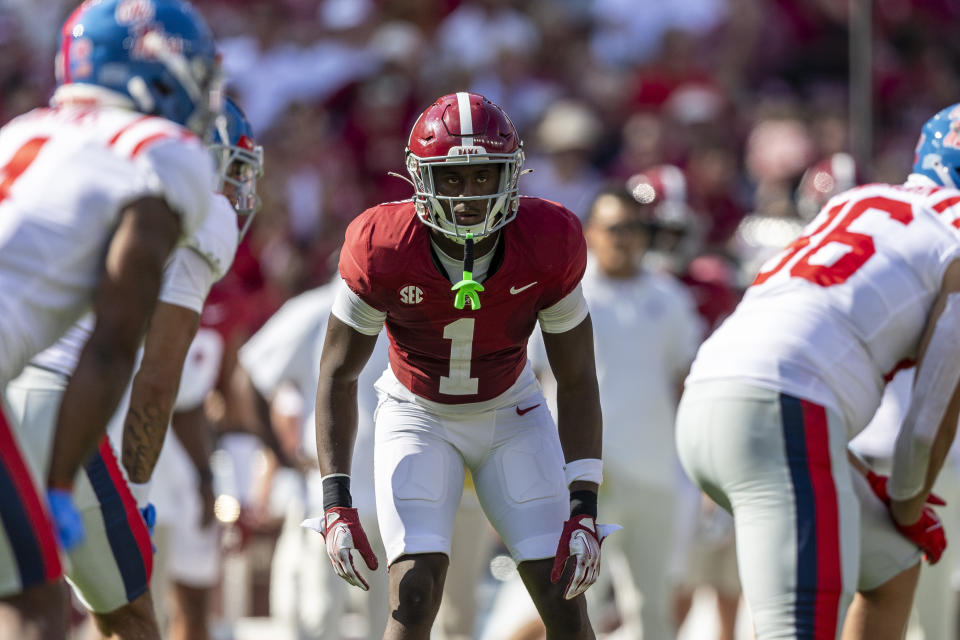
<point>343,535</point>
<point>581,539</point>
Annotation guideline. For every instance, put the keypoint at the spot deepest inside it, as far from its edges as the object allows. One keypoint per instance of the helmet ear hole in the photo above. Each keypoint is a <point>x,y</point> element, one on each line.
<point>163,88</point>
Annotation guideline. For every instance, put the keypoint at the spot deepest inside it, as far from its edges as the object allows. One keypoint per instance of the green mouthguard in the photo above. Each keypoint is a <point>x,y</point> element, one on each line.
<point>468,288</point>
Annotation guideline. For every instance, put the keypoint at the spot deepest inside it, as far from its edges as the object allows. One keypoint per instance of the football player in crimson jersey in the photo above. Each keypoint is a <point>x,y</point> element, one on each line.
<point>871,286</point>
<point>459,275</point>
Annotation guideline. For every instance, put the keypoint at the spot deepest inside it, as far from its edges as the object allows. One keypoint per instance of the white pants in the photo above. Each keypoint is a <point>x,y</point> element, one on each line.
<point>195,556</point>
<point>935,601</point>
<point>646,543</point>
<point>112,565</point>
<point>515,460</point>
<point>779,464</point>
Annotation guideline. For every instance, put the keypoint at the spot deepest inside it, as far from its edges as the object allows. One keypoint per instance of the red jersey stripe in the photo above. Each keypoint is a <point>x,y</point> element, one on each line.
<point>18,164</point>
<point>943,205</point>
<point>126,128</point>
<point>157,137</point>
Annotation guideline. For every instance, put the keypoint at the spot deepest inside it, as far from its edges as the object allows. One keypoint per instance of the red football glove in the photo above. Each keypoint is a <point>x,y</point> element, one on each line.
<point>343,534</point>
<point>581,538</point>
<point>879,485</point>
<point>927,532</point>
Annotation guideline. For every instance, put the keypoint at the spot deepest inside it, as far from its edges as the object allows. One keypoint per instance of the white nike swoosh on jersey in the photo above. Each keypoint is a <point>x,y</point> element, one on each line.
<point>514,291</point>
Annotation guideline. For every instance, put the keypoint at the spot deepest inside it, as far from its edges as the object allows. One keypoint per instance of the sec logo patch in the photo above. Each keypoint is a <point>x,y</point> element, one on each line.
<point>411,294</point>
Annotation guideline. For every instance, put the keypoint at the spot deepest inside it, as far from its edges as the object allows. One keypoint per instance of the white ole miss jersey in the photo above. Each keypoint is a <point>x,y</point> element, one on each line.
<point>200,260</point>
<point>201,368</point>
<point>65,176</point>
<point>836,313</point>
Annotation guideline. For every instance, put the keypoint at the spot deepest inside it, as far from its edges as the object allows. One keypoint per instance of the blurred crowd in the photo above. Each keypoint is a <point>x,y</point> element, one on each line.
<point>730,116</point>
<point>742,95</point>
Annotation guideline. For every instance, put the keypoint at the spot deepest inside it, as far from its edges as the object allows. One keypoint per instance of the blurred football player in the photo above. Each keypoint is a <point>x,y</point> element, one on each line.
<point>111,568</point>
<point>188,559</point>
<point>675,230</point>
<point>823,180</point>
<point>647,334</point>
<point>182,470</point>
<point>95,193</point>
<point>303,592</point>
<point>935,602</point>
<point>774,395</point>
<point>460,274</point>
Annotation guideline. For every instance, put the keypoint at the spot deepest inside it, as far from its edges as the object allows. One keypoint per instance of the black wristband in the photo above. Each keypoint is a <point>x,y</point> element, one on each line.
<point>336,491</point>
<point>583,502</point>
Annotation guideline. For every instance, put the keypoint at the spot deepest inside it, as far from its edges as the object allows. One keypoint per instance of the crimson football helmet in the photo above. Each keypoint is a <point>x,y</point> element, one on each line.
<point>665,188</point>
<point>822,181</point>
<point>464,128</point>
<point>675,227</point>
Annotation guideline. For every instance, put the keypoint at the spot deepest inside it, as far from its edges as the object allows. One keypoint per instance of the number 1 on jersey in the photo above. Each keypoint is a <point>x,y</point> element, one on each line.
<point>459,382</point>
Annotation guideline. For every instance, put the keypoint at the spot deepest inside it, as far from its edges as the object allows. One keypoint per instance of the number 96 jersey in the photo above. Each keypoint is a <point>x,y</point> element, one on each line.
<point>842,307</point>
<point>457,356</point>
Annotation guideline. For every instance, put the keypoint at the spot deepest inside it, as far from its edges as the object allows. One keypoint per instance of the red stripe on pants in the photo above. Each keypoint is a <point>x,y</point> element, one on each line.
<point>134,519</point>
<point>39,518</point>
<point>829,568</point>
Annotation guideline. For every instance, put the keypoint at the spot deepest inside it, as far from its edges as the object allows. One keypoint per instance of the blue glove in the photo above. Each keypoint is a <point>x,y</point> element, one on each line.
<point>149,514</point>
<point>66,518</point>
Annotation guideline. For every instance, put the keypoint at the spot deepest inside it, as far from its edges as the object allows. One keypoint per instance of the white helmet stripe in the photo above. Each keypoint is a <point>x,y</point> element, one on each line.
<point>466,118</point>
<point>674,184</point>
<point>844,171</point>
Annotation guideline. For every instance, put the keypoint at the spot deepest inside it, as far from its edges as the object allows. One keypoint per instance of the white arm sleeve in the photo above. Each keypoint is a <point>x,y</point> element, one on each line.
<point>216,238</point>
<point>182,172</point>
<point>285,347</point>
<point>937,377</point>
<point>187,279</point>
<point>564,315</point>
<point>354,312</point>
<point>201,368</point>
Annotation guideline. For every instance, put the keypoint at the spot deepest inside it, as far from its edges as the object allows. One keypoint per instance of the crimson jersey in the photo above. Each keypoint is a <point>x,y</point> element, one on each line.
<point>450,355</point>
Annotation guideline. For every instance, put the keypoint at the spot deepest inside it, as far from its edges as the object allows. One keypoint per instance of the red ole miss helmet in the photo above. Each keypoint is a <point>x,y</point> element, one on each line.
<point>464,128</point>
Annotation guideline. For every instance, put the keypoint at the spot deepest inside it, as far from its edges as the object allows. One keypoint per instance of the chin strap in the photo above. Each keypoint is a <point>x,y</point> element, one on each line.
<point>468,288</point>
